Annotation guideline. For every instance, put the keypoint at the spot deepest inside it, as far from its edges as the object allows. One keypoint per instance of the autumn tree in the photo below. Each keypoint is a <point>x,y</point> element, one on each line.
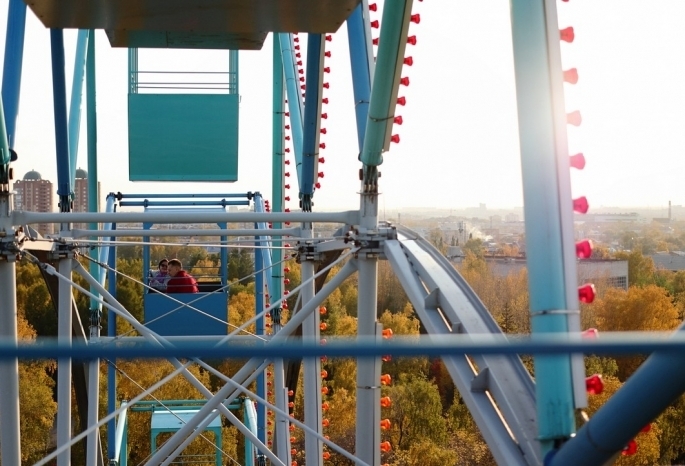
<point>647,308</point>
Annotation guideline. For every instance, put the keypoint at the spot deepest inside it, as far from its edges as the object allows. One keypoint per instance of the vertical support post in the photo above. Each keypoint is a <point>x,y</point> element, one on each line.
<point>361,64</point>
<point>261,379</point>
<point>541,133</point>
<point>368,369</point>
<point>278,153</point>
<point>312,366</point>
<point>9,368</point>
<point>233,68</point>
<point>80,63</point>
<point>281,430</point>
<point>112,332</point>
<point>312,119</point>
<point>64,364</point>
<point>223,256</point>
<point>294,98</point>
<point>11,76</point>
<point>91,116</point>
<point>59,93</point>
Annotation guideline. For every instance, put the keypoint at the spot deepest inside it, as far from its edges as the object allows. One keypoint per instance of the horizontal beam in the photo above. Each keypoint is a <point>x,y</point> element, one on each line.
<point>350,217</point>
<point>189,232</point>
<point>611,343</point>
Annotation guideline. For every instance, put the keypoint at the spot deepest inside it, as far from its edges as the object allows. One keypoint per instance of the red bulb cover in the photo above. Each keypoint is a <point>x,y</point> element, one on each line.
<point>571,76</point>
<point>586,293</point>
<point>594,384</point>
<point>630,449</point>
<point>581,205</point>
<point>584,249</point>
<point>574,118</point>
<point>398,120</point>
<point>395,138</point>
<point>567,34</point>
<point>577,161</point>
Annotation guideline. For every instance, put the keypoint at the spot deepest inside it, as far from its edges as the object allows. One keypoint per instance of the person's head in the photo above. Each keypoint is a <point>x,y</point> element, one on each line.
<point>163,265</point>
<point>175,266</point>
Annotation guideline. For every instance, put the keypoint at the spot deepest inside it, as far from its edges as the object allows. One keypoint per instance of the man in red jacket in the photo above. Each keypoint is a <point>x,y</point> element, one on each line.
<point>180,281</point>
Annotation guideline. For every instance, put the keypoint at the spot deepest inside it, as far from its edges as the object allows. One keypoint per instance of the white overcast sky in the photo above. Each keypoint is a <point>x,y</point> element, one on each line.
<point>459,140</point>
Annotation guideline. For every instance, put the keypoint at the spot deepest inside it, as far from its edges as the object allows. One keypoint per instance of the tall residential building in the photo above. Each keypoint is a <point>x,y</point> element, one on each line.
<point>81,195</point>
<point>34,194</point>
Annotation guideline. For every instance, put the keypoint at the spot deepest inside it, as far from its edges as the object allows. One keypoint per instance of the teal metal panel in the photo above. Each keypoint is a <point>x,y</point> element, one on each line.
<point>162,315</point>
<point>183,137</point>
<point>186,40</point>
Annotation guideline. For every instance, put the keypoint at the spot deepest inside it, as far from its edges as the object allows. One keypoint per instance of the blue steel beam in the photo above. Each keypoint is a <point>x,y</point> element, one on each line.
<point>59,93</point>
<point>312,119</point>
<point>11,76</point>
<point>111,332</point>
<point>278,154</point>
<point>292,88</point>
<point>393,41</point>
<point>539,113</point>
<point>80,63</point>
<point>361,66</point>
<point>93,195</point>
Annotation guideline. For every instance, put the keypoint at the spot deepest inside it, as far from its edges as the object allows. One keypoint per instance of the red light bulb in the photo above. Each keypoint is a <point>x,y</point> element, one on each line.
<point>571,76</point>
<point>375,24</point>
<point>567,35</point>
<point>327,54</point>
<point>590,333</point>
<point>329,37</point>
<point>594,384</point>
<point>326,86</point>
<point>323,131</point>
<point>320,174</point>
<point>287,126</point>
<point>373,7</point>
<point>411,40</point>
<point>395,138</point>
<point>415,18</point>
<point>404,81</point>
<point>581,205</point>
<point>287,186</point>
<point>398,120</point>
<point>287,198</point>
<point>324,116</point>
<point>327,69</point>
<point>584,249</point>
<point>287,174</point>
<point>324,100</point>
<point>317,185</point>
<point>287,162</point>
<point>409,61</point>
<point>322,145</point>
<point>286,270</point>
<point>402,101</point>
<point>630,449</point>
<point>375,41</point>
<point>577,161</point>
<point>586,293</point>
<point>574,118</point>
<point>322,160</point>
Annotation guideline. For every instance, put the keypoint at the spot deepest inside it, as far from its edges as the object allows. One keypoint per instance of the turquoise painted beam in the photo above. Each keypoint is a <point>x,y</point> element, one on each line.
<point>359,39</point>
<point>386,80</point>
<point>4,147</point>
<point>91,120</point>
<point>278,154</point>
<point>12,66</point>
<point>76,98</point>
<point>294,99</point>
<point>541,117</point>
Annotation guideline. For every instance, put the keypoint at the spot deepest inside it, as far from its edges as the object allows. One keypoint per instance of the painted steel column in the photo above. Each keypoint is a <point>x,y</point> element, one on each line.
<point>4,153</point>
<point>76,98</point>
<point>259,324</point>
<point>368,369</point>
<point>278,154</point>
<point>393,41</point>
<point>93,194</point>
<point>111,332</point>
<point>64,364</point>
<point>359,38</point>
<point>312,118</point>
<point>9,368</point>
<point>59,94</point>
<point>11,76</point>
<point>292,87</point>
<point>539,115</point>
<point>312,366</point>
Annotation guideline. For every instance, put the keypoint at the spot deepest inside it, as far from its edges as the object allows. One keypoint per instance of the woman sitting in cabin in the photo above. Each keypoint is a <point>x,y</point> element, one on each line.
<point>180,281</point>
<point>159,280</point>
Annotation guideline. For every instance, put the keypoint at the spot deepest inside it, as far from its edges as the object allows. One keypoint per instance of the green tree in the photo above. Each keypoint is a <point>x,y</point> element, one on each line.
<point>640,268</point>
<point>416,412</point>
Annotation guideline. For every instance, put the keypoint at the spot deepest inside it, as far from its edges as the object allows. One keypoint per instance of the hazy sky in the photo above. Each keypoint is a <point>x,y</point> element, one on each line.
<point>459,140</point>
